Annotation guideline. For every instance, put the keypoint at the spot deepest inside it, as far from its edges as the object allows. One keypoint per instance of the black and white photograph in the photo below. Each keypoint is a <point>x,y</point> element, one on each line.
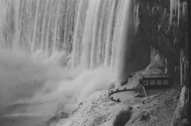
<point>94,63</point>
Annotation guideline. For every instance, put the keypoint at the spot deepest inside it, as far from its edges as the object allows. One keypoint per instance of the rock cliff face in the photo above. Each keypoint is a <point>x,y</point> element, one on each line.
<point>165,26</point>
<point>165,35</point>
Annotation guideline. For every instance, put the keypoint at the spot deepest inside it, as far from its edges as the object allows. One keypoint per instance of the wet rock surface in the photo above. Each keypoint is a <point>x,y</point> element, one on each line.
<point>99,110</point>
<point>159,107</point>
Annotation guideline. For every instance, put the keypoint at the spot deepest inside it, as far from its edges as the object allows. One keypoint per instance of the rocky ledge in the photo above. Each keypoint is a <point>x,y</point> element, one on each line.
<point>99,110</point>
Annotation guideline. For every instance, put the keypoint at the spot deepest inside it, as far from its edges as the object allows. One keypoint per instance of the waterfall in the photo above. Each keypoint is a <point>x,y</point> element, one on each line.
<point>83,45</point>
<point>88,30</point>
<point>178,11</point>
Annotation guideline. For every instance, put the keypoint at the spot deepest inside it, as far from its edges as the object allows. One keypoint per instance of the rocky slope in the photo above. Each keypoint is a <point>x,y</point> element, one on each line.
<point>99,110</point>
<point>167,33</point>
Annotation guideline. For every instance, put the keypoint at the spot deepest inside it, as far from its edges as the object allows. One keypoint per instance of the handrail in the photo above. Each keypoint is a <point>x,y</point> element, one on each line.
<point>118,91</point>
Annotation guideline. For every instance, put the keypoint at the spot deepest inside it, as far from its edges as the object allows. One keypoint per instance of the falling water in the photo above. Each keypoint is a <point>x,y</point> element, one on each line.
<point>67,35</point>
<point>178,10</point>
<point>89,30</point>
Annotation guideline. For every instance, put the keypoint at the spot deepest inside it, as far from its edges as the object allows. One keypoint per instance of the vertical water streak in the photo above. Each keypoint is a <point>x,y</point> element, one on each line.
<point>55,39</point>
<point>117,28</point>
<point>109,39</point>
<point>125,39</point>
<point>103,31</point>
<point>178,10</point>
<point>48,41</point>
<point>88,34</point>
<point>17,26</point>
<point>94,43</point>
<point>45,25</point>
<point>78,31</point>
<point>34,42</point>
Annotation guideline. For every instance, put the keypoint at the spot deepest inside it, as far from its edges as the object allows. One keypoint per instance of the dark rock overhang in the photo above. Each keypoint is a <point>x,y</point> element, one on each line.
<point>165,36</point>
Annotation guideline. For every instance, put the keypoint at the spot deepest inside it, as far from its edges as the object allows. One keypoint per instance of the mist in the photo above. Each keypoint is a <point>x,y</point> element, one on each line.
<point>45,87</point>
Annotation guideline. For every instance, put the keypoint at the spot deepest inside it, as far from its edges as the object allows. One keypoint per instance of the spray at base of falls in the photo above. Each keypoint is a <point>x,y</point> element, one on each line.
<point>85,45</point>
<point>42,88</point>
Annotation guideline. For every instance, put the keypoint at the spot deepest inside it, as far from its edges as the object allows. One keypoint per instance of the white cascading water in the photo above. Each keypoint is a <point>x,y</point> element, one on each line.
<point>55,53</point>
<point>87,29</point>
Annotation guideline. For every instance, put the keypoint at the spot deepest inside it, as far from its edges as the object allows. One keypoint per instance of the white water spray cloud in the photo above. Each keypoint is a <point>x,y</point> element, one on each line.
<point>46,86</point>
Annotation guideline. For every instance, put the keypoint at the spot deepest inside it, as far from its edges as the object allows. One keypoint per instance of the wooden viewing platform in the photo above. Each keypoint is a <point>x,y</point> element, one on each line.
<point>156,80</point>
